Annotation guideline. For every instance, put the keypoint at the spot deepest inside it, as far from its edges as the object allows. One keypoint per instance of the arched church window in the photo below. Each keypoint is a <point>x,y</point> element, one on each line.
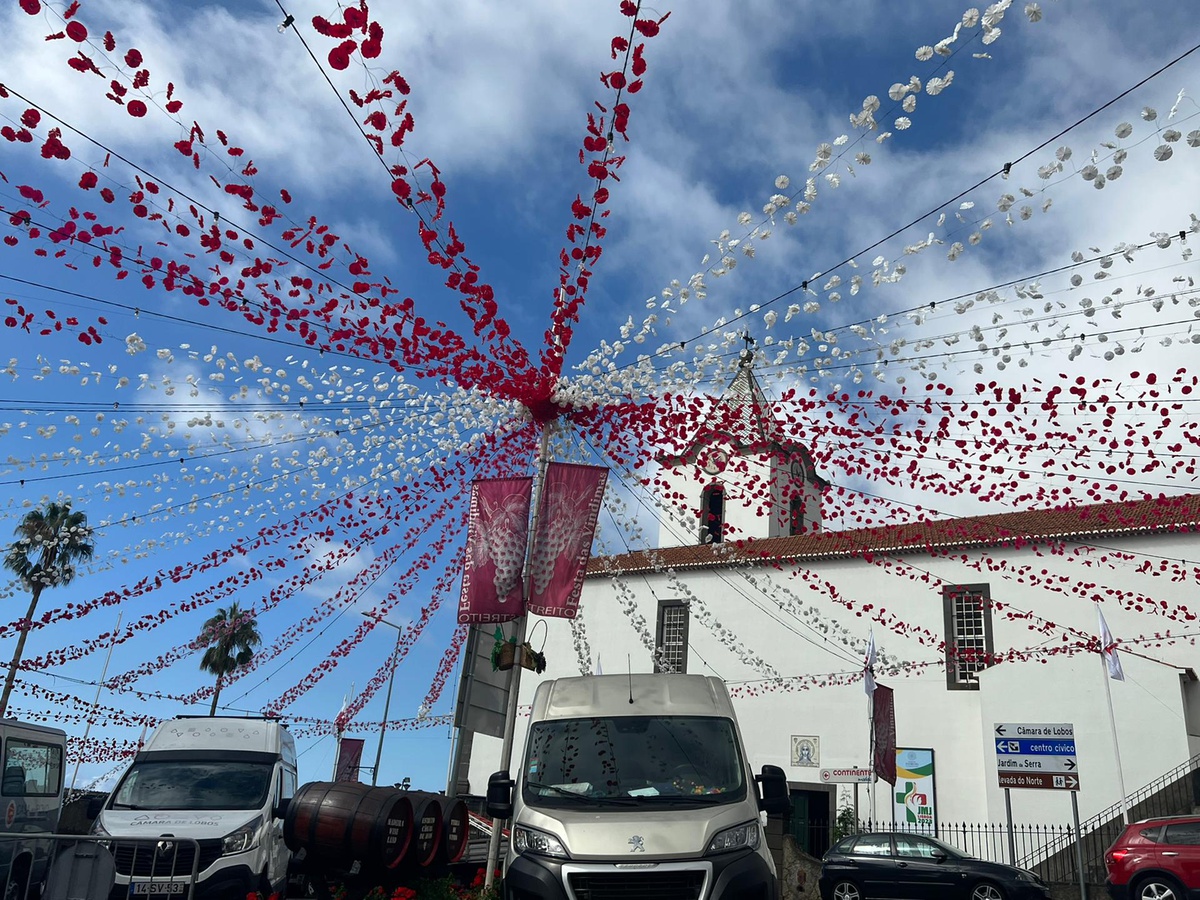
<point>796,514</point>
<point>712,514</point>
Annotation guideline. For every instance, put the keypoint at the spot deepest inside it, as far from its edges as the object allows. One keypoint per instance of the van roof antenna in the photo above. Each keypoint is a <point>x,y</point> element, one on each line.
<point>629,668</point>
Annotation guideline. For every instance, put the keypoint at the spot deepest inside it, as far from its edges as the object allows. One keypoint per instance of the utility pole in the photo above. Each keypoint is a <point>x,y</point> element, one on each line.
<point>388,700</point>
<point>514,678</point>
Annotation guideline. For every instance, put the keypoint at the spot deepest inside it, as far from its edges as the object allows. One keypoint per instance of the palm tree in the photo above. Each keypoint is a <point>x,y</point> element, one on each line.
<point>230,636</point>
<point>49,543</point>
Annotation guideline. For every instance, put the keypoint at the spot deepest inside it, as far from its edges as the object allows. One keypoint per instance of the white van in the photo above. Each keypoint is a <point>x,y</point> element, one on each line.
<point>636,784</point>
<point>219,781</point>
<point>31,790</point>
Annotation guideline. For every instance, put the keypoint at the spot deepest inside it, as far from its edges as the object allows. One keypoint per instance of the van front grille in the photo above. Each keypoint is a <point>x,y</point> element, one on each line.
<point>154,858</point>
<point>638,885</point>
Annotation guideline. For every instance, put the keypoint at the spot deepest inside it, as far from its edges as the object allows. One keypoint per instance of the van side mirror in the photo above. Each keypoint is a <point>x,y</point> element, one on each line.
<point>94,806</point>
<point>773,791</point>
<point>280,809</point>
<point>499,795</point>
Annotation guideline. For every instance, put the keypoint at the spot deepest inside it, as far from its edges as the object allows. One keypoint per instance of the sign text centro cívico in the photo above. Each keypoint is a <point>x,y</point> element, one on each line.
<point>852,775</point>
<point>1036,755</point>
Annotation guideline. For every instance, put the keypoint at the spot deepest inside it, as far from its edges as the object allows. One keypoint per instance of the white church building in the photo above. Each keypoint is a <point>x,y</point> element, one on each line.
<point>979,622</point>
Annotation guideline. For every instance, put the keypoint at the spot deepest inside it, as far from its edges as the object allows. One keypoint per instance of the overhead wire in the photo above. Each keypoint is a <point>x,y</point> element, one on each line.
<point>182,193</point>
<point>930,306</point>
<point>185,457</point>
<point>1004,170</point>
<point>409,204</point>
<point>139,311</point>
<point>488,458</point>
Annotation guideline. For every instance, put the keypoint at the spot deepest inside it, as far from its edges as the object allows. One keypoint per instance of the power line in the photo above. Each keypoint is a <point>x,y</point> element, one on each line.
<point>194,457</point>
<point>172,187</point>
<point>1003,171</point>
<point>408,203</point>
<point>933,305</point>
<point>138,311</point>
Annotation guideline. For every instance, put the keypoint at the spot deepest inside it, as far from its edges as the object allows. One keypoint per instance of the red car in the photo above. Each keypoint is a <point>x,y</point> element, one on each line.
<point>1156,859</point>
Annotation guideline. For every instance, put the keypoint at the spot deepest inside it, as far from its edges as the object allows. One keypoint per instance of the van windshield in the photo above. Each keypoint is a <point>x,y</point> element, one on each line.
<point>677,761</point>
<point>187,784</point>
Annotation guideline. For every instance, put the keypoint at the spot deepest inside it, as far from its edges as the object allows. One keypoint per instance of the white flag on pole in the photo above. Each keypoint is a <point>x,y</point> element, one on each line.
<point>869,667</point>
<point>1108,647</point>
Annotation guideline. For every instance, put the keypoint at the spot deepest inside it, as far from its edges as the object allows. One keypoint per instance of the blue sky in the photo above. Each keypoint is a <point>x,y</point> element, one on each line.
<point>734,98</point>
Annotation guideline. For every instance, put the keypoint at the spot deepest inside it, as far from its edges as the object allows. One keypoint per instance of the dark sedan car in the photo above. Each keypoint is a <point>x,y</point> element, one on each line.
<point>885,866</point>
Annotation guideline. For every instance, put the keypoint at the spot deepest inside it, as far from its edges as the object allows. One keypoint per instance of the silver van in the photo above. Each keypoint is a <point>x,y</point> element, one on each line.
<point>218,781</point>
<point>31,791</point>
<point>636,783</point>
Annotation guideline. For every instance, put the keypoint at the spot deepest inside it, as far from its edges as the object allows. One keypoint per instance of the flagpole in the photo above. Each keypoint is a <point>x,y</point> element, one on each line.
<point>337,734</point>
<point>1112,724</point>
<point>1113,670</point>
<point>514,678</point>
<point>869,689</point>
<point>871,755</point>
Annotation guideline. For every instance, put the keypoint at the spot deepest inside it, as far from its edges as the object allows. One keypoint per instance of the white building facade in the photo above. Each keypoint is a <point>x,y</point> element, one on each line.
<point>977,622</point>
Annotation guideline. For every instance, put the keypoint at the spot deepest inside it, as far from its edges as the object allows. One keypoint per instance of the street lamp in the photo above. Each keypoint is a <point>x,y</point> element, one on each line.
<point>388,699</point>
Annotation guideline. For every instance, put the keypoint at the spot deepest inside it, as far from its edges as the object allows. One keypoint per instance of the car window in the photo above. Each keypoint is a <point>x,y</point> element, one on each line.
<point>909,846</point>
<point>843,846</point>
<point>873,845</point>
<point>1151,834</point>
<point>1183,833</point>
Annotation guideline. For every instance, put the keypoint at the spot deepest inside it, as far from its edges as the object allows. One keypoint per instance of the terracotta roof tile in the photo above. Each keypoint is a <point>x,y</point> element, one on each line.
<point>1156,516</point>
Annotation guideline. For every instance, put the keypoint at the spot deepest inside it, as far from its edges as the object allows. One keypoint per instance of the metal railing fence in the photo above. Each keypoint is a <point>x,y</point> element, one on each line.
<point>1048,850</point>
<point>43,866</point>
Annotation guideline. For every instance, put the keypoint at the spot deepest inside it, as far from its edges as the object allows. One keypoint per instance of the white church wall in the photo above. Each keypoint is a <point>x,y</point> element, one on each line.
<point>1149,706</point>
<point>1148,709</point>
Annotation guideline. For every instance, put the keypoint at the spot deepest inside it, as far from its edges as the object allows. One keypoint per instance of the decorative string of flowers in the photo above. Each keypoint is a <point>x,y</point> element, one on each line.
<point>583,650</point>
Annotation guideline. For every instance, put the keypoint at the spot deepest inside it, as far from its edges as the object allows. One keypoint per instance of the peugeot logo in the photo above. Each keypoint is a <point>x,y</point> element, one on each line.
<point>636,844</point>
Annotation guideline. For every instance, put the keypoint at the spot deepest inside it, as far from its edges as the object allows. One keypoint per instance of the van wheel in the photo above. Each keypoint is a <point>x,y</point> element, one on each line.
<point>17,885</point>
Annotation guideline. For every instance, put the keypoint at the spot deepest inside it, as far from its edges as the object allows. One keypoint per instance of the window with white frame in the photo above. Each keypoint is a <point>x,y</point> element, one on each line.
<point>968,616</point>
<point>672,637</point>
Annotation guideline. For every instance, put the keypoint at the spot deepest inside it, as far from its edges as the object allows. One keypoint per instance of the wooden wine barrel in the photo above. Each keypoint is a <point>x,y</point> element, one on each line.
<point>457,820</point>
<point>337,823</point>
<point>427,828</point>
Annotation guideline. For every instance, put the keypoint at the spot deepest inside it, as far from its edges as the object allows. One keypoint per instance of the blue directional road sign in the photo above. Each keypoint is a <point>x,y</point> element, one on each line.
<point>1034,755</point>
<point>1036,747</point>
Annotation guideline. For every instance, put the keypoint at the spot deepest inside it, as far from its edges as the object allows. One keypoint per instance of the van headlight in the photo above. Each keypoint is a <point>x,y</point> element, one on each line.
<point>245,838</point>
<point>97,830</point>
<point>744,835</point>
<point>527,840</point>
